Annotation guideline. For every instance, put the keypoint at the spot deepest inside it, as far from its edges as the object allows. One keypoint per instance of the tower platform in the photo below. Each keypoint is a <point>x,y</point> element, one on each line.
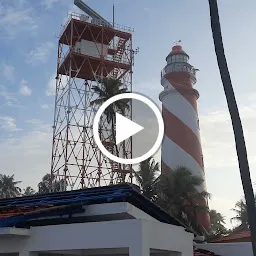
<point>77,29</point>
<point>82,65</point>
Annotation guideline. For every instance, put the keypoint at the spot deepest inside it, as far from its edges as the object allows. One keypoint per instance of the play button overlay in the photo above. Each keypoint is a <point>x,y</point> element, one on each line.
<point>125,128</point>
<point>143,130</point>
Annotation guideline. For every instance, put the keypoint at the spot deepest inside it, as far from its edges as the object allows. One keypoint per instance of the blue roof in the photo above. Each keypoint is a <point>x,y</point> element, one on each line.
<point>19,210</point>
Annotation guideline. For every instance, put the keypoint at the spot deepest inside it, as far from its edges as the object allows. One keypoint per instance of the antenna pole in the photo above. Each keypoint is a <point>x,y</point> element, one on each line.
<point>113,14</point>
<point>113,24</point>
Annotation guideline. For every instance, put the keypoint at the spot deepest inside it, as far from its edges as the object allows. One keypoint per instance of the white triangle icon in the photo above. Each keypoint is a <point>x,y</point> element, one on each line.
<point>125,128</point>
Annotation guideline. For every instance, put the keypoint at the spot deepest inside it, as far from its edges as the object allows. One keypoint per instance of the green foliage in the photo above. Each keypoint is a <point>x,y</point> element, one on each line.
<point>28,191</point>
<point>241,215</point>
<point>175,193</point>
<point>9,187</point>
<point>217,225</point>
<point>108,89</point>
<point>146,176</point>
<point>44,186</point>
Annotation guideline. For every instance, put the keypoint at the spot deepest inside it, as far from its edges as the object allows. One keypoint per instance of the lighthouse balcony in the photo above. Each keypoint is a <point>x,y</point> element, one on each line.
<point>180,67</point>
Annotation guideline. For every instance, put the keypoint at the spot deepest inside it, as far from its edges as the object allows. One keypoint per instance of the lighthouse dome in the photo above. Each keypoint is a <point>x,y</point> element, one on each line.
<point>177,55</point>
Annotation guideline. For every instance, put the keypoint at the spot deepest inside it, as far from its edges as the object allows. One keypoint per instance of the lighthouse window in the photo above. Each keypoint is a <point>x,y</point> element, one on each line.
<point>179,58</point>
<point>179,67</point>
<point>174,58</point>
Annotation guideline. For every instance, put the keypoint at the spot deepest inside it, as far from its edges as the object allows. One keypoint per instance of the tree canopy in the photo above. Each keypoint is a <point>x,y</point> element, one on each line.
<point>9,187</point>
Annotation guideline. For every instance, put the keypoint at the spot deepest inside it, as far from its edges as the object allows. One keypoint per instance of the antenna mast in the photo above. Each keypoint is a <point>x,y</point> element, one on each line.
<point>113,14</point>
<point>85,8</point>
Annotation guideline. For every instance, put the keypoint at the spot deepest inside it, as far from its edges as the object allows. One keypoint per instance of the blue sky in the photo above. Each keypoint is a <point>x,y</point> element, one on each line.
<point>28,55</point>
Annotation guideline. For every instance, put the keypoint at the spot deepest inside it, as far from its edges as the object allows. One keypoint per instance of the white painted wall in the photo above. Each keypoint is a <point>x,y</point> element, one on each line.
<point>163,237</point>
<point>179,106</point>
<point>174,156</point>
<point>229,249</point>
<point>90,48</point>
<point>137,235</point>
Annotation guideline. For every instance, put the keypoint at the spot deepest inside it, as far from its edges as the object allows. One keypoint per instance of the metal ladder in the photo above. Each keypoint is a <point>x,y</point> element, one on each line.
<point>119,54</point>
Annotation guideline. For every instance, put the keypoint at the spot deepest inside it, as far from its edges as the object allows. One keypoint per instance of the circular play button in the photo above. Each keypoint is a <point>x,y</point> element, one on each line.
<point>146,128</point>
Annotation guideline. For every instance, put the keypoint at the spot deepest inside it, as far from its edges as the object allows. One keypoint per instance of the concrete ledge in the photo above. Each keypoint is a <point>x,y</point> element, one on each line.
<point>14,232</point>
<point>111,211</point>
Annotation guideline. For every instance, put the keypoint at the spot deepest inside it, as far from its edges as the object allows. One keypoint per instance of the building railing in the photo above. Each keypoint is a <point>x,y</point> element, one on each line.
<point>83,17</point>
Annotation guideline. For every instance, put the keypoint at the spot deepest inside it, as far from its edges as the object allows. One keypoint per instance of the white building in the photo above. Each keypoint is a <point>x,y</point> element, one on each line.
<point>114,220</point>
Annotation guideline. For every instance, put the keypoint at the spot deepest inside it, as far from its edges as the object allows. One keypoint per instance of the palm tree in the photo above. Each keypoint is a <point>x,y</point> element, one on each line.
<point>28,191</point>
<point>217,224</point>
<point>241,215</point>
<point>216,218</point>
<point>235,118</point>
<point>8,186</point>
<point>109,88</point>
<point>177,194</point>
<point>147,176</point>
<point>44,186</point>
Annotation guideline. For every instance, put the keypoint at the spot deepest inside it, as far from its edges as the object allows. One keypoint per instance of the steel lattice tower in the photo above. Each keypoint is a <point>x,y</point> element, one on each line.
<point>88,50</point>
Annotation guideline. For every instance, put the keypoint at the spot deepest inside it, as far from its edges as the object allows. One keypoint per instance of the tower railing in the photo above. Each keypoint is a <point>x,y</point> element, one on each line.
<point>179,67</point>
<point>106,57</point>
<point>85,18</point>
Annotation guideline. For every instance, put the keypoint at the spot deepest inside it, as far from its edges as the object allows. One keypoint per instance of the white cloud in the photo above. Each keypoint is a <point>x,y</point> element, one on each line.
<point>9,98</point>
<point>40,54</point>
<point>15,18</point>
<point>29,154</point>
<point>48,4</point>
<point>34,121</point>
<point>218,139</point>
<point>38,125</point>
<point>8,123</point>
<point>24,89</point>
<point>45,106</point>
<point>149,10</point>
<point>149,88</point>
<point>7,71</point>
<point>51,86</point>
<point>220,157</point>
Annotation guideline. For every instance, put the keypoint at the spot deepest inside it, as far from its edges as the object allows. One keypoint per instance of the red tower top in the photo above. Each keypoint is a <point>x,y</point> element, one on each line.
<point>177,49</point>
<point>178,70</point>
<point>181,74</point>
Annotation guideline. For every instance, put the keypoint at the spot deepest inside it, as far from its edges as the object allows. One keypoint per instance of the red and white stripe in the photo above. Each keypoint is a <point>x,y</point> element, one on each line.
<point>182,145</point>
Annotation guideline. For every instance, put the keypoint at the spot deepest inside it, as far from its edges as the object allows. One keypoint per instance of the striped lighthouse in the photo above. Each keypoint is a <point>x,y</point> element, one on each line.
<point>182,145</point>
